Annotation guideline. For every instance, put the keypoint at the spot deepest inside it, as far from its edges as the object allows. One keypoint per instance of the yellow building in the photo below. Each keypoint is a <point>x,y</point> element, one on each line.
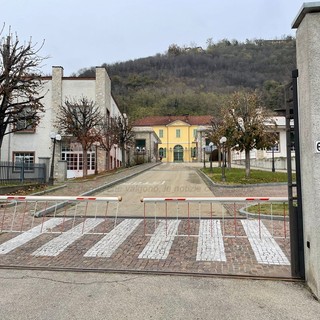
<point>182,137</point>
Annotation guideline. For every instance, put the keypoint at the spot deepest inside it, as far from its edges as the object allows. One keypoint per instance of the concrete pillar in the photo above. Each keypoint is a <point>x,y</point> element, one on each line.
<point>46,161</point>
<point>61,173</point>
<point>307,24</point>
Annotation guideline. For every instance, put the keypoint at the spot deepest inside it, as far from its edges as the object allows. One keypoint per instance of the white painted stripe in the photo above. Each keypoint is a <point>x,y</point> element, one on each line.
<point>161,241</point>
<point>210,242</point>
<point>58,244</point>
<point>265,248</point>
<point>29,235</point>
<point>112,241</point>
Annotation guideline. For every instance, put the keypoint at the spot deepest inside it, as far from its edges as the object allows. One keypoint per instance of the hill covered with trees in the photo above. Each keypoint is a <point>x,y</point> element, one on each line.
<point>195,80</point>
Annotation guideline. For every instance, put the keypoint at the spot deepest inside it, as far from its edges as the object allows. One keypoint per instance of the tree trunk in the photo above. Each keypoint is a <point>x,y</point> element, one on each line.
<point>85,162</point>
<point>107,160</point>
<point>123,151</point>
<point>247,160</point>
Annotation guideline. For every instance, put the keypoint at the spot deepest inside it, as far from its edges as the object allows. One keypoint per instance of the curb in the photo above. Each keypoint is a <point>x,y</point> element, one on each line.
<point>210,183</point>
<point>243,212</point>
<point>53,208</point>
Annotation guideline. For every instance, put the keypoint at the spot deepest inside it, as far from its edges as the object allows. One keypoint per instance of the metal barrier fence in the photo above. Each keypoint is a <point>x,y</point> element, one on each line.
<point>231,212</point>
<point>21,172</point>
<point>31,213</point>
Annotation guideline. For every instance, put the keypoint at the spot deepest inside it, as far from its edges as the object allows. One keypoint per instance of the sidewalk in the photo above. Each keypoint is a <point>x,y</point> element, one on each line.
<point>86,187</point>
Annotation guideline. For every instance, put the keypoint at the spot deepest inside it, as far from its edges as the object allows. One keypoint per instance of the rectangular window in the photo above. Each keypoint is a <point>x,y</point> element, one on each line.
<point>178,133</point>
<point>140,145</point>
<point>163,152</point>
<point>25,121</point>
<point>194,133</point>
<point>160,133</point>
<point>23,160</point>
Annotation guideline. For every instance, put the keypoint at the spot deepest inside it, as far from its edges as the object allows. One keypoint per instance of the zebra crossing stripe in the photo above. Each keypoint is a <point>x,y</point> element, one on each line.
<point>60,243</point>
<point>265,248</point>
<point>161,241</point>
<point>210,242</point>
<point>29,235</point>
<point>112,241</point>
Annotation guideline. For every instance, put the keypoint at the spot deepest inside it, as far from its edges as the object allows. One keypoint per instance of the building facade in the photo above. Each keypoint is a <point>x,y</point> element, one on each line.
<point>185,139</point>
<point>33,146</point>
<point>145,148</point>
<point>182,137</point>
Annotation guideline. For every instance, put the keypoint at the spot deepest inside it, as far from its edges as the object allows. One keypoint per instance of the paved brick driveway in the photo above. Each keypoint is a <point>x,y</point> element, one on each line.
<point>173,245</point>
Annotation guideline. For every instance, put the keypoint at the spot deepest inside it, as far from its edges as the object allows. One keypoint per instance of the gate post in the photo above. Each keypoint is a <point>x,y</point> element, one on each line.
<point>307,24</point>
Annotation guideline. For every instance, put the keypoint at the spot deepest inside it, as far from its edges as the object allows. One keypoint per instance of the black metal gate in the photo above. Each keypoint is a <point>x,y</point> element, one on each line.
<point>294,188</point>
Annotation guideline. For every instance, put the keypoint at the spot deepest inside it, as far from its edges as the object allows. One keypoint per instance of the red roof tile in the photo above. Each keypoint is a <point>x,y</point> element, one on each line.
<point>165,120</point>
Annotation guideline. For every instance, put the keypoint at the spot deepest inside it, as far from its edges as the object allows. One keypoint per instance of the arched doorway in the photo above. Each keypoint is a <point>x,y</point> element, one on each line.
<point>178,153</point>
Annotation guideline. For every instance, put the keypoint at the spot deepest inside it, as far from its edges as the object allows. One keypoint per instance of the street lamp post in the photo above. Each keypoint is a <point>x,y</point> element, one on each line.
<point>96,145</point>
<point>204,157</point>
<point>223,140</point>
<point>272,150</point>
<point>211,146</point>
<point>54,137</point>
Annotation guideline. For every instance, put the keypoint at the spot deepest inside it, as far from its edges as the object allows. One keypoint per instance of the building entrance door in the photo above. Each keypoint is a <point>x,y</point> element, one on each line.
<point>178,154</point>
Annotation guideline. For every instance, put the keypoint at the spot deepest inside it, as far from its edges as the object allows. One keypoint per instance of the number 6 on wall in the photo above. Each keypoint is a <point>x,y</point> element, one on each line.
<point>317,146</point>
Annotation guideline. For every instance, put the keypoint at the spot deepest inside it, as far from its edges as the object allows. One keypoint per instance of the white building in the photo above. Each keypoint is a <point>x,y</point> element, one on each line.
<point>35,145</point>
<point>264,158</point>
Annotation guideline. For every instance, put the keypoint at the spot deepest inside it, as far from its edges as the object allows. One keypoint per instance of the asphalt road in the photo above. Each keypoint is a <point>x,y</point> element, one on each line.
<point>30,295</point>
<point>166,180</point>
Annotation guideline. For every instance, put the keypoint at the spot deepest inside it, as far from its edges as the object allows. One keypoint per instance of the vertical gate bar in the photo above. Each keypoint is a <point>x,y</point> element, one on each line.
<point>4,213</point>
<point>166,216</point>
<point>33,216</point>
<point>223,221</point>
<point>64,219</point>
<point>155,217</point>
<point>144,218</point>
<point>74,215</point>
<point>14,215</point>
<point>45,209</point>
<point>211,219</point>
<point>235,219</point>
<point>105,218</point>
<point>284,221</point>
<point>116,217</point>
<point>188,219</point>
<point>23,214</point>
<point>259,218</point>
<point>177,206</point>
<point>271,219</point>
<point>85,216</point>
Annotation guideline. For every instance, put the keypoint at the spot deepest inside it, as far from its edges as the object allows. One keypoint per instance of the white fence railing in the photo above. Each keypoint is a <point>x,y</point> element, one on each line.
<point>229,211</point>
<point>33,213</point>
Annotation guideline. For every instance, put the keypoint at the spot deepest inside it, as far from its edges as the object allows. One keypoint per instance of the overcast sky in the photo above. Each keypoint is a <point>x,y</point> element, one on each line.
<point>84,33</point>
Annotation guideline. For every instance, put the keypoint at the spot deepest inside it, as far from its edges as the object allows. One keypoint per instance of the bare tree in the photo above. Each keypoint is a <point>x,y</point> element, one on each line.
<point>248,125</point>
<point>20,85</point>
<point>125,135</point>
<point>81,119</point>
<point>108,137</point>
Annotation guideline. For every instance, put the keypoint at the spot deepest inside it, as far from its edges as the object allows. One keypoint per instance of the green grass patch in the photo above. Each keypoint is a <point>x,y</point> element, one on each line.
<point>277,209</point>
<point>236,176</point>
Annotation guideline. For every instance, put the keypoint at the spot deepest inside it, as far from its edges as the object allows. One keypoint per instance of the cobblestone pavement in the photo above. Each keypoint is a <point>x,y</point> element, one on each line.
<point>218,246</point>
